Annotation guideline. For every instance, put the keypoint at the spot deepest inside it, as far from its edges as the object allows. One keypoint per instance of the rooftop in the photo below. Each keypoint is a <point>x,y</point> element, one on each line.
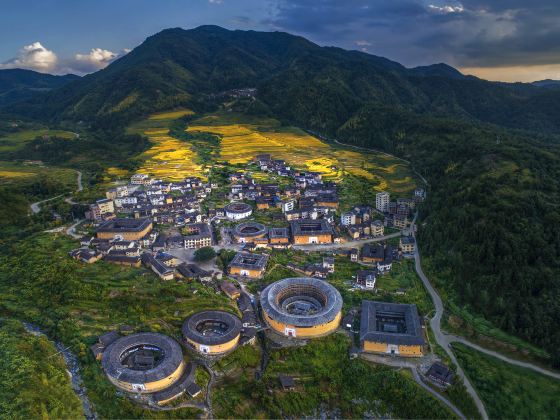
<point>124,225</point>
<point>392,323</point>
<point>310,227</point>
<point>249,260</point>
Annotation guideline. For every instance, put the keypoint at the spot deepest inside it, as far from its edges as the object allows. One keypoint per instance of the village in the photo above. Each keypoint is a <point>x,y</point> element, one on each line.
<point>176,230</point>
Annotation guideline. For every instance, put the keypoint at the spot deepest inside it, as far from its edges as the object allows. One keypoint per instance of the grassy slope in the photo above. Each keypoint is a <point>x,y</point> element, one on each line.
<point>33,378</point>
<point>509,391</point>
<point>77,302</point>
<point>326,380</point>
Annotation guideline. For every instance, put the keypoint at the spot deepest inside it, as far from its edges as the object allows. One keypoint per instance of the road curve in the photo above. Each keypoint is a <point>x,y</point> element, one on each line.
<point>440,397</point>
<point>457,339</point>
<point>36,207</point>
<point>442,339</point>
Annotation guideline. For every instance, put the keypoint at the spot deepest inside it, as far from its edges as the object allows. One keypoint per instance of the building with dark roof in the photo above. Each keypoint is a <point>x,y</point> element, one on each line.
<point>278,236</point>
<point>301,307</point>
<point>212,332</point>
<point>391,328</point>
<point>178,388</point>
<point>199,235</point>
<point>248,232</point>
<point>125,228</point>
<point>407,244</point>
<point>246,264</point>
<point>307,231</point>
<point>440,374</point>
<point>238,211</point>
<point>143,362</point>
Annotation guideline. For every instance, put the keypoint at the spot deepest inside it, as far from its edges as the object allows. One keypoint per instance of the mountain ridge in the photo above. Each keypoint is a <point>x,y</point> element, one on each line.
<point>175,66</point>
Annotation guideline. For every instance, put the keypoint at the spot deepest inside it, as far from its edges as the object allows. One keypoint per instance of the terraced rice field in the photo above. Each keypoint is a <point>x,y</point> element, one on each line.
<point>242,139</point>
<point>169,158</point>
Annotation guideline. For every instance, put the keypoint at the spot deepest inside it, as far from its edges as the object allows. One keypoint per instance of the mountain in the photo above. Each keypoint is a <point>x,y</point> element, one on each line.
<point>18,84</point>
<point>490,230</point>
<point>176,67</point>
<point>440,69</point>
<point>547,83</point>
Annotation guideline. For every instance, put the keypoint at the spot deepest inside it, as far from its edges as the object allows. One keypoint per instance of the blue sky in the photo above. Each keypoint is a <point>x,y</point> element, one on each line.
<point>495,39</point>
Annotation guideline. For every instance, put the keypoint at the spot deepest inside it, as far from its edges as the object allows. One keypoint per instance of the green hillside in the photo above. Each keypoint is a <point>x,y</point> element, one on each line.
<point>491,225</point>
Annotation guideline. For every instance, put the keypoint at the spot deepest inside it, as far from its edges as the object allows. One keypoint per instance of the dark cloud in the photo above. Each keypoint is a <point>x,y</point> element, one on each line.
<point>462,33</point>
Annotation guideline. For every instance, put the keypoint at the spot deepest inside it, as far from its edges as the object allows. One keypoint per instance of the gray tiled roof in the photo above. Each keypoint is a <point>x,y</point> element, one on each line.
<point>369,326</point>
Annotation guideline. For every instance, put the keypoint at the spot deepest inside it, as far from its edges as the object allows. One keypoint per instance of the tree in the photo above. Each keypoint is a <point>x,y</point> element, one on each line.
<point>204,254</point>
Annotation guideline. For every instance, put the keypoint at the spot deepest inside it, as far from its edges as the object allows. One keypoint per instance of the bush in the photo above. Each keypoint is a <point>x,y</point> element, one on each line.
<point>204,254</point>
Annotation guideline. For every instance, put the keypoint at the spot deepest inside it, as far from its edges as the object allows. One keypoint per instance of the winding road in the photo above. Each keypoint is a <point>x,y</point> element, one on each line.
<point>36,207</point>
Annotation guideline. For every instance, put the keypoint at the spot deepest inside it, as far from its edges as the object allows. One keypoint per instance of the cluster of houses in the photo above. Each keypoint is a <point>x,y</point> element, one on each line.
<point>397,213</point>
<point>124,223</point>
<point>176,203</point>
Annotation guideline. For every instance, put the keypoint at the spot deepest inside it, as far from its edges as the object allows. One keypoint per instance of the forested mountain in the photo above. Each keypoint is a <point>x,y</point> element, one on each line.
<point>176,66</point>
<point>18,84</point>
<point>491,225</point>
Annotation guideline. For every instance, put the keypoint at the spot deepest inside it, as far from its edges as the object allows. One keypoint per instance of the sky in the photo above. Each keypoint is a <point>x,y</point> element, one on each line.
<point>508,40</point>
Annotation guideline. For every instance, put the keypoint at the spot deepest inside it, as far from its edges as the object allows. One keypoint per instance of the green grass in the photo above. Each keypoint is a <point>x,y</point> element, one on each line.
<point>22,174</point>
<point>325,377</point>
<point>78,302</point>
<point>462,321</point>
<point>33,378</point>
<point>12,142</point>
<point>509,391</point>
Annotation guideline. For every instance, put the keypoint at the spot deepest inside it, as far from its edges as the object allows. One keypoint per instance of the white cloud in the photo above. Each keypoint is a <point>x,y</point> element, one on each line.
<point>445,9</point>
<point>33,57</point>
<point>215,1</point>
<point>97,59</point>
<point>362,43</point>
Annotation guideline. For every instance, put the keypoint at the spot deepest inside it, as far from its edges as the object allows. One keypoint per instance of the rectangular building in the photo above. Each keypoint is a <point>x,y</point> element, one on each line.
<point>391,328</point>
<point>382,201</point>
<point>305,231</point>
<point>246,264</point>
<point>199,236</point>
<point>125,228</point>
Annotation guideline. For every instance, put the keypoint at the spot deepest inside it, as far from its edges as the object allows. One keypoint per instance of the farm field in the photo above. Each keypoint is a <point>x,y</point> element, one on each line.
<point>169,158</point>
<point>14,141</point>
<point>242,138</point>
<point>24,173</point>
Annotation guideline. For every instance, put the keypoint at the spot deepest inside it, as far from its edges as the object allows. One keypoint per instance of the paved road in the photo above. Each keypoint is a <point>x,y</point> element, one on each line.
<point>401,363</point>
<point>36,207</point>
<point>71,231</point>
<point>349,244</point>
<point>442,339</point>
<point>456,339</point>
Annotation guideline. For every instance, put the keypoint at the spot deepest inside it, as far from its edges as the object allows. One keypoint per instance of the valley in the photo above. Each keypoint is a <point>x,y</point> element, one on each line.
<point>287,231</point>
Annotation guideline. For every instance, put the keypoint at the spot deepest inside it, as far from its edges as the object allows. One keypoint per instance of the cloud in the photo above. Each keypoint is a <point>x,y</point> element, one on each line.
<point>215,1</point>
<point>96,59</point>
<point>33,57</point>
<point>446,8</point>
<point>37,57</point>
<point>362,43</point>
<point>465,33</point>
